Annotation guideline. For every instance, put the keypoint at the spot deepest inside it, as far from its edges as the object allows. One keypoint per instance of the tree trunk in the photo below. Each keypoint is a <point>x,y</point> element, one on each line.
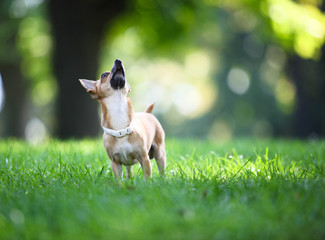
<point>78,29</point>
<point>14,114</point>
<point>13,117</point>
<point>309,79</point>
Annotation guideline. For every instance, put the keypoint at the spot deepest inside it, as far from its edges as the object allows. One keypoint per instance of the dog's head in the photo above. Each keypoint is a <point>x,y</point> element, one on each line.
<point>108,83</point>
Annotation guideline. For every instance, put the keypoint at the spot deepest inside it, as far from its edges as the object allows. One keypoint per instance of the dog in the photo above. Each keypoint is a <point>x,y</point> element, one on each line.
<point>129,137</point>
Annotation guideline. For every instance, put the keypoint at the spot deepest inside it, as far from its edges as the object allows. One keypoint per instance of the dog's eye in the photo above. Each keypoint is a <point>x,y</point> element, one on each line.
<point>104,75</point>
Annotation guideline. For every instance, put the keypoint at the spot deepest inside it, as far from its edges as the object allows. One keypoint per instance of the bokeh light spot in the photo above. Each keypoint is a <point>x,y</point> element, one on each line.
<point>276,57</point>
<point>197,64</point>
<point>262,129</point>
<point>16,216</point>
<point>285,95</point>
<point>40,45</point>
<point>221,131</point>
<point>44,92</point>
<point>315,28</point>
<point>186,98</point>
<point>238,81</point>
<point>35,131</point>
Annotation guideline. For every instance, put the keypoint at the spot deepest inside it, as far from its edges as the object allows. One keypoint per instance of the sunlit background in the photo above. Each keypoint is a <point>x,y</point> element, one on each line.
<point>215,69</point>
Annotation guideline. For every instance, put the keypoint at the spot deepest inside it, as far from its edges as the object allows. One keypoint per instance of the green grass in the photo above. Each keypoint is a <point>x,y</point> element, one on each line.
<point>243,189</point>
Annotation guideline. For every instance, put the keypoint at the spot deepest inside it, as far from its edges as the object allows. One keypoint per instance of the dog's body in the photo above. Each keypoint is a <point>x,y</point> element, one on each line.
<point>140,136</point>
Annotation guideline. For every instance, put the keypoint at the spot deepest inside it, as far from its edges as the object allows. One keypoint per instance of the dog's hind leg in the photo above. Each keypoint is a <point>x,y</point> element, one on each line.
<point>129,172</point>
<point>160,157</point>
<point>146,165</point>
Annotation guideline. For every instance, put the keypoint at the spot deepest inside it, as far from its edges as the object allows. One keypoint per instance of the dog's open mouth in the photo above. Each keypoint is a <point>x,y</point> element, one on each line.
<point>118,79</point>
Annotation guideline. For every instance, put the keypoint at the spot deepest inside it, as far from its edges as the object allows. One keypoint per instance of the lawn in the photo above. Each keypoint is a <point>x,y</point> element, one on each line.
<point>242,189</point>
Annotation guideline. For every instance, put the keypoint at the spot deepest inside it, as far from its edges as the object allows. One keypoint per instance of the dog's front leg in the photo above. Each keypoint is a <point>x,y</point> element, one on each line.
<point>146,165</point>
<point>117,169</point>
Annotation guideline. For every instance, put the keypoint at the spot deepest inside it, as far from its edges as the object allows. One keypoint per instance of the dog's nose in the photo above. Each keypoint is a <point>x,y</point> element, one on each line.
<point>118,62</point>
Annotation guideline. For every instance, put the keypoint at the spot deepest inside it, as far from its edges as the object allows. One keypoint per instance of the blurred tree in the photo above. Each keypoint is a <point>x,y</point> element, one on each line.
<point>78,28</point>
<point>14,114</point>
<point>280,57</point>
<point>309,79</point>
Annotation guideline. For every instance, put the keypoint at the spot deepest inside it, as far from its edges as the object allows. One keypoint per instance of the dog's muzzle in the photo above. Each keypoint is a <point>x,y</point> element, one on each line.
<point>118,79</point>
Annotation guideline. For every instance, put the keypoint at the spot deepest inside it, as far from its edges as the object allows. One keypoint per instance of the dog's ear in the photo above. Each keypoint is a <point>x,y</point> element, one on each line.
<point>89,86</point>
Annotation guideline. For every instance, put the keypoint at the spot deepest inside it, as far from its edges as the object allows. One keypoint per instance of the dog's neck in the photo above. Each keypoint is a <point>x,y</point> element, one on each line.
<point>117,111</point>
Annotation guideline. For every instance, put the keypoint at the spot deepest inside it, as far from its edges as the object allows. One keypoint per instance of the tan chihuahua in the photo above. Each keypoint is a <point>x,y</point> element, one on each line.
<point>129,137</point>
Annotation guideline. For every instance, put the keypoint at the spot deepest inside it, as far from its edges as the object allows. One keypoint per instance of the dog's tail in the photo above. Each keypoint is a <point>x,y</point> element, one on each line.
<point>150,108</point>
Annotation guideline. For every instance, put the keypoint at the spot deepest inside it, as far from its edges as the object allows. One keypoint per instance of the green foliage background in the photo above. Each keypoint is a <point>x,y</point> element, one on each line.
<point>216,69</point>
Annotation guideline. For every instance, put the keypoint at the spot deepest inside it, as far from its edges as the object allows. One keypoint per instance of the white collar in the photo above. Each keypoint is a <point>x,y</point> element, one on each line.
<point>119,133</point>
